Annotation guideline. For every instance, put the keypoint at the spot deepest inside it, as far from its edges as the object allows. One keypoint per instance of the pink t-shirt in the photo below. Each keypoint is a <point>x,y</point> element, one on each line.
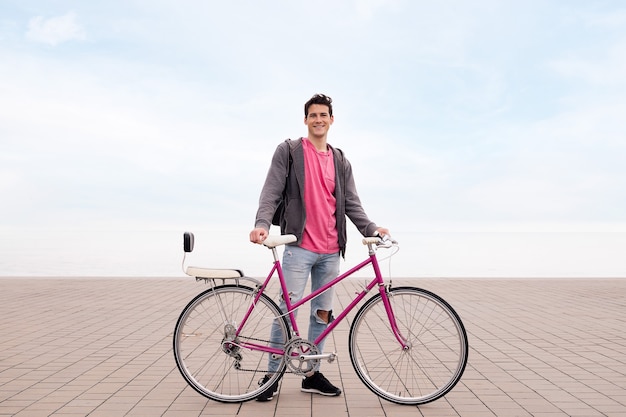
<point>320,229</point>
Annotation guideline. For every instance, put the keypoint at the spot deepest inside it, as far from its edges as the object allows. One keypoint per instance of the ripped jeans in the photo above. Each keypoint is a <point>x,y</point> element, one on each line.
<point>297,264</point>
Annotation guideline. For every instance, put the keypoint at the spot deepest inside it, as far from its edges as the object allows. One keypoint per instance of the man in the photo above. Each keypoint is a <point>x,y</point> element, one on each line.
<point>313,184</point>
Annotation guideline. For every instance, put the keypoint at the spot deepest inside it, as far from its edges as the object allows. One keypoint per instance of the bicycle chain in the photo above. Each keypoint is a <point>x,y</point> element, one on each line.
<point>236,361</point>
<point>287,371</point>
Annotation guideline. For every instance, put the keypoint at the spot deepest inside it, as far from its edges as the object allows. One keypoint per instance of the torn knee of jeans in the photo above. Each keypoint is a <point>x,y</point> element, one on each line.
<point>328,316</point>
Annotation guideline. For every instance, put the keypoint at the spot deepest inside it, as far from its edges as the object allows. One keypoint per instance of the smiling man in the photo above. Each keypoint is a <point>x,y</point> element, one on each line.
<point>309,191</point>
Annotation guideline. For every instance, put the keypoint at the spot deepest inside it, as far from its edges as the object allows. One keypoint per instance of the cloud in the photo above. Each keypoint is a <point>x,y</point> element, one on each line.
<point>55,30</point>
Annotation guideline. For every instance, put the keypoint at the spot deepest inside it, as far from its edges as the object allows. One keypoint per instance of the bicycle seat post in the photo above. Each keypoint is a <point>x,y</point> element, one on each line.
<point>275,253</point>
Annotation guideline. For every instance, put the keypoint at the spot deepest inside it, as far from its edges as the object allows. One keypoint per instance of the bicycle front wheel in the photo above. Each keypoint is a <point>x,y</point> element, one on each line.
<point>209,353</point>
<point>437,346</point>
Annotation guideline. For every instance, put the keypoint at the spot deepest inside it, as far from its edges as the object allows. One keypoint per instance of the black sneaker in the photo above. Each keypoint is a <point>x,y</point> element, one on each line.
<point>269,394</point>
<point>318,384</point>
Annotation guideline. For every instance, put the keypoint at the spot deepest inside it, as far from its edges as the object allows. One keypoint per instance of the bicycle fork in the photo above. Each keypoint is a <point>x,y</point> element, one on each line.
<point>386,295</point>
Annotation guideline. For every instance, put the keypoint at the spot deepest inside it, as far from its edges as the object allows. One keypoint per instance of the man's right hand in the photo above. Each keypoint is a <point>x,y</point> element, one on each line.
<point>258,235</point>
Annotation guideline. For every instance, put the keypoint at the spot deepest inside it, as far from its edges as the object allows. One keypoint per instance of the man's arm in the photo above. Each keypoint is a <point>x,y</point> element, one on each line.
<point>272,193</point>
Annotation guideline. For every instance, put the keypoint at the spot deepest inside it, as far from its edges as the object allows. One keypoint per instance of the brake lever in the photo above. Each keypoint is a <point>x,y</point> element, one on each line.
<point>386,241</point>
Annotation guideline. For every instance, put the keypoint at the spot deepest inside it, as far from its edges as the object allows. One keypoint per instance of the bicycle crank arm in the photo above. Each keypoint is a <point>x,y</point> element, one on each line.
<point>329,356</point>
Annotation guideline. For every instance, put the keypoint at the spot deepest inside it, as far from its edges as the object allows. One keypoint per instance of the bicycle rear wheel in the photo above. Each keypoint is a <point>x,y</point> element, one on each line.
<point>437,353</point>
<point>209,354</point>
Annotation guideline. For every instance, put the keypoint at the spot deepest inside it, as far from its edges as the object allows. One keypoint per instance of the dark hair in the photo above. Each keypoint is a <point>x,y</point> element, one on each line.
<point>319,99</point>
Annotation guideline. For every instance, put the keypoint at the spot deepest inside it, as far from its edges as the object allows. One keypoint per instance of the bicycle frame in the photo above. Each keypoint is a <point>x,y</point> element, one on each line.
<point>406,344</point>
<point>292,307</point>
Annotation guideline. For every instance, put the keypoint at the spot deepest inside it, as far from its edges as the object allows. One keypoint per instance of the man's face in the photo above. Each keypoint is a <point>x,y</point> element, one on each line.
<point>318,120</point>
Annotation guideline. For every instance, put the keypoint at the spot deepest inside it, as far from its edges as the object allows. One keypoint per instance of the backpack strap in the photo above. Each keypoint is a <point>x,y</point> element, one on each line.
<point>280,210</point>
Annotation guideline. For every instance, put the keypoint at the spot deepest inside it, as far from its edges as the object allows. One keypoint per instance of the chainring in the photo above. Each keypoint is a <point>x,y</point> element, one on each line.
<point>293,356</point>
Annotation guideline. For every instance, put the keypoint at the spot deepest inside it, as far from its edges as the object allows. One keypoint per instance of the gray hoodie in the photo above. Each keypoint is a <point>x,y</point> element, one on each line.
<point>286,174</point>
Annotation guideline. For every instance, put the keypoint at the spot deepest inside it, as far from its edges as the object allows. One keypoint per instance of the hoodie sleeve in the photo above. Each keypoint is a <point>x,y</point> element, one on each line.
<point>272,192</point>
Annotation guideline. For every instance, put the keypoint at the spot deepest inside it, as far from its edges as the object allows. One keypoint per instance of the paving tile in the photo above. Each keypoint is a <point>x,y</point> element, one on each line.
<point>102,347</point>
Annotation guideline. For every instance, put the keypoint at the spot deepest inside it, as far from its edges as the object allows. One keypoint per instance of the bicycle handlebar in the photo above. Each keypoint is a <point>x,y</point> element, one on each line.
<point>380,241</point>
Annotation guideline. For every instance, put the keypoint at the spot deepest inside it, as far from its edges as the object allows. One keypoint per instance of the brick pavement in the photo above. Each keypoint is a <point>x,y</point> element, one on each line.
<point>102,347</point>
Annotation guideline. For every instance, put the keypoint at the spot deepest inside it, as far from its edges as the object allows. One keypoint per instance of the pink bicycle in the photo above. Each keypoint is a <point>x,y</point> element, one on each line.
<point>406,344</point>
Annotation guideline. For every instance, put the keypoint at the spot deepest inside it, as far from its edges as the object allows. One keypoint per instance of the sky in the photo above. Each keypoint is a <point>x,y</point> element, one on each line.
<point>497,116</point>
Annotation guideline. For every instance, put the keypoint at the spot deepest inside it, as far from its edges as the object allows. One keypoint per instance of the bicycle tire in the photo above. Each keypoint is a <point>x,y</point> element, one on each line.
<point>226,373</point>
<point>437,353</point>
